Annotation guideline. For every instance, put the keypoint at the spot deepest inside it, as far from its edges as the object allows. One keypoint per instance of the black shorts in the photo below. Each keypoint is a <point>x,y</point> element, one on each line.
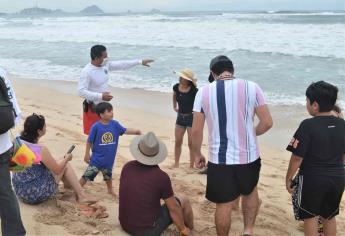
<point>225,183</point>
<point>319,196</point>
<point>162,223</point>
<point>184,120</point>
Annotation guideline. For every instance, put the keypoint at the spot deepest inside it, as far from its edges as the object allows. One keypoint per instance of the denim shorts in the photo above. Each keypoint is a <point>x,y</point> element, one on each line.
<point>184,120</point>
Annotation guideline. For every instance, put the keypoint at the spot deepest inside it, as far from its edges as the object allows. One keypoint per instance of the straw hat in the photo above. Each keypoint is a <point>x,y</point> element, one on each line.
<point>187,74</point>
<point>148,149</point>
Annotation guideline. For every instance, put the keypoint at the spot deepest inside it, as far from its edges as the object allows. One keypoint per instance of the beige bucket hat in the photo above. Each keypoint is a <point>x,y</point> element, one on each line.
<point>187,74</point>
<point>148,149</point>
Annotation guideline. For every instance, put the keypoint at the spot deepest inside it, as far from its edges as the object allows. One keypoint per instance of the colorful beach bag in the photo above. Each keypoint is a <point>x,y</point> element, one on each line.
<point>22,157</point>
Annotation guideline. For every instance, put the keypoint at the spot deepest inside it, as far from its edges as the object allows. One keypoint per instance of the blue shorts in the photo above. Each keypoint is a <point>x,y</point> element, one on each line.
<point>92,171</point>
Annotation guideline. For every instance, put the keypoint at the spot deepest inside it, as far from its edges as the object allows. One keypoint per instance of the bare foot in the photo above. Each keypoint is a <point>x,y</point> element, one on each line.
<point>84,198</point>
<point>97,206</point>
<point>112,193</point>
<point>175,166</point>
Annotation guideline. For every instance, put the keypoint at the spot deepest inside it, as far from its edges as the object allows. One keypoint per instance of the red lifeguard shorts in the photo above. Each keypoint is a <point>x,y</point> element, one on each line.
<point>89,118</point>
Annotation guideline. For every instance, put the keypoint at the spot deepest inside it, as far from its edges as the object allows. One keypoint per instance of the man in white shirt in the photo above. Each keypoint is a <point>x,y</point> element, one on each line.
<point>93,84</point>
<point>11,223</point>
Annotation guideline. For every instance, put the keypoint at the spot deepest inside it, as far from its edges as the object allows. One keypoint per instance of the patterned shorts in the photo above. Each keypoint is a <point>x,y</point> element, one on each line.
<point>92,171</point>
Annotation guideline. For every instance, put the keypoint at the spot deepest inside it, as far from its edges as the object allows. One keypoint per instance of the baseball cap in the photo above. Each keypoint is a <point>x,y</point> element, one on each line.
<point>219,62</point>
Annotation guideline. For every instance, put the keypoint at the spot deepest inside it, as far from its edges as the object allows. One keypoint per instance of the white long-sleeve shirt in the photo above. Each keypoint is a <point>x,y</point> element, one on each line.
<point>5,140</point>
<point>94,80</point>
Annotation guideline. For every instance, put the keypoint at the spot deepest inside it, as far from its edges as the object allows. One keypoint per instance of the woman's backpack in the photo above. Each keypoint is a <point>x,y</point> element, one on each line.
<point>7,114</point>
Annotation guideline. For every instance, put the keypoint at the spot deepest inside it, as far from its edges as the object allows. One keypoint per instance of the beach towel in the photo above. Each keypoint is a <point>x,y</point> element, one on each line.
<point>23,157</point>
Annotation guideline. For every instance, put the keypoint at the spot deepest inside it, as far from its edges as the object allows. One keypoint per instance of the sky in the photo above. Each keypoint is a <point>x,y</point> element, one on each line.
<point>174,5</point>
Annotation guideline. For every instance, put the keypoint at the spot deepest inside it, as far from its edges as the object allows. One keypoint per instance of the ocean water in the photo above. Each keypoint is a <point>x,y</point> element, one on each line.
<point>282,52</point>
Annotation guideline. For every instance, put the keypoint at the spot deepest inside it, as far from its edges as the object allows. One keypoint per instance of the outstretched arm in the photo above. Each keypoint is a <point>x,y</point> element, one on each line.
<point>124,65</point>
<point>130,131</point>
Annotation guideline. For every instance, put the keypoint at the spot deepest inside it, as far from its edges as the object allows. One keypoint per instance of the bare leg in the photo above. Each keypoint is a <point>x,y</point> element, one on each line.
<point>310,227</point>
<point>191,156</point>
<point>236,204</point>
<point>329,227</point>
<point>223,218</point>
<point>187,212</point>
<point>70,177</point>
<point>250,208</point>
<point>179,133</point>
<point>66,184</point>
<point>110,187</point>
<point>82,181</point>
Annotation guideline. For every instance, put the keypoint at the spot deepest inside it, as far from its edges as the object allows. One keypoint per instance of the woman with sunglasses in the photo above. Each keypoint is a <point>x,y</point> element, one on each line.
<point>40,181</point>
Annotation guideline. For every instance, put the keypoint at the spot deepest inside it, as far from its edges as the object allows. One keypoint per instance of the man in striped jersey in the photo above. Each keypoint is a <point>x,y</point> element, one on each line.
<point>229,105</point>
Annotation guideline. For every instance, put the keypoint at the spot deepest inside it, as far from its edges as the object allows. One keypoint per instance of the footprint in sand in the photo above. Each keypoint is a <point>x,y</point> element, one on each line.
<point>34,105</point>
<point>207,208</point>
<point>164,137</point>
<point>59,134</point>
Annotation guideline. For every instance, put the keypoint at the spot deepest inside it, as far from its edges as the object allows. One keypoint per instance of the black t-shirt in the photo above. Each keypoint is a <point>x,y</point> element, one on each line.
<point>185,100</point>
<point>320,141</point>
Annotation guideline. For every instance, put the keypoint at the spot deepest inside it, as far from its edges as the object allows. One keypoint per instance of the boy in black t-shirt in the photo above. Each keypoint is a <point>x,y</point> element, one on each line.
<point>318,149</point>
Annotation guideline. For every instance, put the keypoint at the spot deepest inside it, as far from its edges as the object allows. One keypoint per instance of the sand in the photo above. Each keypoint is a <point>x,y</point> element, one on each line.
<point>150,111</point>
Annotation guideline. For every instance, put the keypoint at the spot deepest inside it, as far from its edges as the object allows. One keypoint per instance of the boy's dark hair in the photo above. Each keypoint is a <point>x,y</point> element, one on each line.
<point>336,108</point>
<point>102,107</point>
<point>325,94</point>
<point>96,51</point>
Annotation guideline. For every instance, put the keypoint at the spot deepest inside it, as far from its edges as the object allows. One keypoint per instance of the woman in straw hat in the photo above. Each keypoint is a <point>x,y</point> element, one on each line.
<point>183,100</point>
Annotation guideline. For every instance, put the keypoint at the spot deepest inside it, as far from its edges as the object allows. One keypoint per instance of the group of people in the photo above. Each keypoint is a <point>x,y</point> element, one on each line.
<point>228,106</point>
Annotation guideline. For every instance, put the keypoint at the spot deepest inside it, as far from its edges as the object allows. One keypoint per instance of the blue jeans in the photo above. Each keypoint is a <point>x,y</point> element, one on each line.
<point>11,222</point>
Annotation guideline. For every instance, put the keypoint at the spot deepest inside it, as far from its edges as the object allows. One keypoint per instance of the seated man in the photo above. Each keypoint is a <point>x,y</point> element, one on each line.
<point>142,186</point>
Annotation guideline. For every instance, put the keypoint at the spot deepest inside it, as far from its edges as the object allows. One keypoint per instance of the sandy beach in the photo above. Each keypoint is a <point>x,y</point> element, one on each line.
<point>151,111</point>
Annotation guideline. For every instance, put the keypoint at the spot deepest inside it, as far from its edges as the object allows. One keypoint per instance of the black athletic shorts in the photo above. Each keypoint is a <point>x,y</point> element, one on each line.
<point>319,196</point>
<point>161,224</point>
<point>225,183</point>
